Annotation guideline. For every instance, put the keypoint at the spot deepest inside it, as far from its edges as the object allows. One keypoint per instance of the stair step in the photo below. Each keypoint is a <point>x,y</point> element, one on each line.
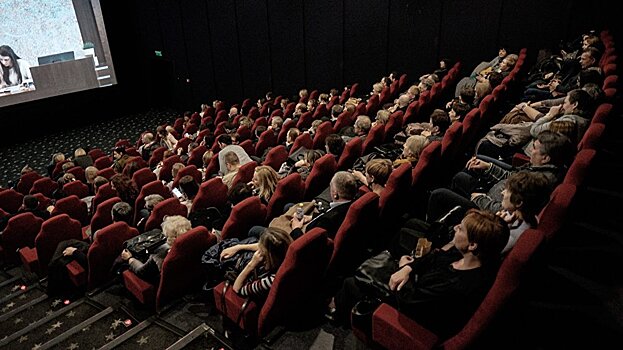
<point>22,296</point>
<point>35,324</point>
<point>21,308</point>
<point>190,337</point>
<point>158,335</point>
<point>100,332</point>
<point>45,332</point>
<point>127,335</point>
<point>77,328</point>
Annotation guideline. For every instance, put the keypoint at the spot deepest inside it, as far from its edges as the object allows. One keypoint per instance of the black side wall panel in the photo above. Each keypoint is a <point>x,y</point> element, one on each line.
<point>199,50</point>
<point>365,41</point>
<point>285,20</point>
<point>323,44</point>
<point>223,34</point>
<point>254,47</point>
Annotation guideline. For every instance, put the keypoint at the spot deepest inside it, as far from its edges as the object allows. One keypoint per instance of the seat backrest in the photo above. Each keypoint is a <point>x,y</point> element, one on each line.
<point>374,138</point>
<point>142,177</point>
<point>393,126</point>
<point>305,121</point>
<point>213,166</point>
<point>76,188</point>
<point>11,200</point>
<point>244,215</point>
<point>167,165</point>
<point>187,170</point>
<point>245,173</point>
<point>508,280</point>
<point>78,172</point>
<point>553,216</point>
<point>107,173</point>
<point>276,156</point>
<point>181,269</point>
<point>26,181</point>
<point>103,216</point>
<point>592,137</point>
<point>289,190</point>
<point>295,296</point>
<point>74,207</point>
<point>261,121</point>
<point>426,165</point>
<point>303,140</point>
<point>320,176</point>
<point>580,167</point>
<point>58,168</point>
<point>351,152</point>
<point>133,164</point>
<point>53,231</point>
<point>410,114</point>
<point>451,141</point>
<point>196,156</point>
<point>105,249</point>
<point>20,232</point>
<point>45,186</point>
<point>156,157</point>
<point>324,130</point>
<point>471,123</point>
<point>103,162</point>
<point>394,198</point>
<point>154,187</point>
<point>373,105</point>
<point>601,113</point>
<point>283,133</point>
<point>343,120</point>
<point>267,139</point>
<point>212,193</point>
<point>96,153</point>
<point>355,235</point>
<point>104,192</point>
<point>167,207</point>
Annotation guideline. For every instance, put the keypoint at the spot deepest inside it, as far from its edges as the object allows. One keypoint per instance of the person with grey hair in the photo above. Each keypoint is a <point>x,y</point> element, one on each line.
<point>362,126</point>
<point>150,202</point>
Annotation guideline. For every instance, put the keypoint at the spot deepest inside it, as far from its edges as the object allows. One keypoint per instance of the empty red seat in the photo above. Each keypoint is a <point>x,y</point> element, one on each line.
<point>53,231</point>
<point>374,139</point>
<point>305,121</point>
<point>303,140</point>
<point>104,192</point>
<point>267,139</point>
<point>142,177</point>
<point>102,216</point>
<point>103,162</point>
<point>324,130</point>
<point>19,232</point>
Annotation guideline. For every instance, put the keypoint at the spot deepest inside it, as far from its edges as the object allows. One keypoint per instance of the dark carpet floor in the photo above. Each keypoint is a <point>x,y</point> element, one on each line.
<point>38,152</point>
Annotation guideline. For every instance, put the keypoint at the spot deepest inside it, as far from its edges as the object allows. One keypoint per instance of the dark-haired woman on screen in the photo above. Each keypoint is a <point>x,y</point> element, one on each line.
<point>14,70</point>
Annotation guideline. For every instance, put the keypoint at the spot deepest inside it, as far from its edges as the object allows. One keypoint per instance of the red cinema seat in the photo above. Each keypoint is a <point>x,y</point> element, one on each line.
<point>244,215</point>
<point>26,181</point>
<point>74,207</point>
<point>45,186</point>
<point>154,187</point>
<point>276,156</point>
<point>374,139</point>
<point>212,193</point>
<point>19,232</point>
<point>295,297</point>
<point>78,172</point>
<point>320,176</point>
<point>11,201</point>
<point>267,139</point>
<point>245,173</point>
<point>167,166</point>
<point>289,190</point>
<point>76,188</point>
<point>102,216</point>
<point>143,176</point>
<point>103,162</point>
<point>104,192</point>
<point>190,170</point>
<point>167,207</point>
<point>324,130</point>
<point>351,152</point>
<point>303,140</point>
<point>53,231</point>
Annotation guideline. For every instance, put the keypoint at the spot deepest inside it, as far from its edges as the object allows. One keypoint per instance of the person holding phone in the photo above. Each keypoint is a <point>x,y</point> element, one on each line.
<point>15,70</point>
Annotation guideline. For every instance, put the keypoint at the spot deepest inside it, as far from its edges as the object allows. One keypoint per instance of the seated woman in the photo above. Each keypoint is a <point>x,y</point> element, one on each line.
<point>272,248</point>
<point>172,227</point>
<point>189,188</point>
<point>441,290</point>
<point>303,166</point>
<point>264,182</point>
<point>376,174</point>
<point>411,150</point>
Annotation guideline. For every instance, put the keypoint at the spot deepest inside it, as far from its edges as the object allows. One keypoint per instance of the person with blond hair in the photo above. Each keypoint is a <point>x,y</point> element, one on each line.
<point>411,150</point>
<point>264,182</point>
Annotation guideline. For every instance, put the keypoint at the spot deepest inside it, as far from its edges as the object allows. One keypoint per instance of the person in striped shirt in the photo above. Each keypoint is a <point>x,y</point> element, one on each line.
<point>258,276</point>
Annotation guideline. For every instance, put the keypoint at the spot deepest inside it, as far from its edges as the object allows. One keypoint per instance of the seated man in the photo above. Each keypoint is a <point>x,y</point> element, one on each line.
<point>480,185</point>
<point>225,143</point>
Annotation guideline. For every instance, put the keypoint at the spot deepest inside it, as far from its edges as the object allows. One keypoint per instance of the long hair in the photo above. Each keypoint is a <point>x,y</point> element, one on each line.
<point>274,242</point>
<point>8,52</point>
<point>267,179</point>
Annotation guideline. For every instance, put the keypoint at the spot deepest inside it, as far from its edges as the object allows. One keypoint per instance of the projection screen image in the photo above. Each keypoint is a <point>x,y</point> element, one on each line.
<point>52,47</point>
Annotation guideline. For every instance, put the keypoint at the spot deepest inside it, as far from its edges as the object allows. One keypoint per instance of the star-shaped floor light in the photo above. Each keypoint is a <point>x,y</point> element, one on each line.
<point>143,340</point>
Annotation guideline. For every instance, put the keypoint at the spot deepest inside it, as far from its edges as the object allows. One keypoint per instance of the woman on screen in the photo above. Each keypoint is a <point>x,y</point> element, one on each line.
<point>15,71</point>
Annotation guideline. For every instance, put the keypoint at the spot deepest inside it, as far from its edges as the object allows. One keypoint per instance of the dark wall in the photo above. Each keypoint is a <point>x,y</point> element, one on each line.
<point>234,49</point>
